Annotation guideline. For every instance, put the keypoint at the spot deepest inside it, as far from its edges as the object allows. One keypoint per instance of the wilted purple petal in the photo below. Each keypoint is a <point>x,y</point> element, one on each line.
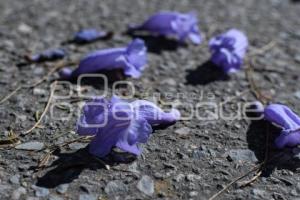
<point>89,35</point>
<point>126,124</point>
<point>128,141</point>
<point>48,55</point>
<point>153,114</point>
<point>228,50</point>
<point>182,25</point>
<point>93,116</point>
<point>284,117</point>
<point>132,60</point>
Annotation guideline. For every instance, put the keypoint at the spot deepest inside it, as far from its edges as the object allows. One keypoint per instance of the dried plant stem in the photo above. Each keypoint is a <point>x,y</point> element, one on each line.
<point>44,78</point>
<point>263,49</point>
<point>246,183</point>
<point>259,96</point>
<point>11,94</point>
<point>253,87</point>
<point>235,180</point>
<point>53,86</point>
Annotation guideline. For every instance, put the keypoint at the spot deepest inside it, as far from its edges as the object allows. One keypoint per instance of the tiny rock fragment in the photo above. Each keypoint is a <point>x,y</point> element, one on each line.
<point>146,185</point>
<point>31,146</point>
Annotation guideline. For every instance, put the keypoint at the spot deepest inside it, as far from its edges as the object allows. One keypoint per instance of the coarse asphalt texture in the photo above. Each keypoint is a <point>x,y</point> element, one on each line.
<point>192,159</point>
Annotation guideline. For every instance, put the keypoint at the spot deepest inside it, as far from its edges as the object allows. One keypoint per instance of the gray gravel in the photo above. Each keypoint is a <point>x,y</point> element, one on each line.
<point>188,160</point>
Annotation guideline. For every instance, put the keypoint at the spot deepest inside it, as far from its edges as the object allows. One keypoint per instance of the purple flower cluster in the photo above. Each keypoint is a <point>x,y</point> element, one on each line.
<point>118,123</point>
<point>228,50</point>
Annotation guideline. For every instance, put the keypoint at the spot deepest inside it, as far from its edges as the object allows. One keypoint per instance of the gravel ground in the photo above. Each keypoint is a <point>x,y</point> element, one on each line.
<point>192,159</point>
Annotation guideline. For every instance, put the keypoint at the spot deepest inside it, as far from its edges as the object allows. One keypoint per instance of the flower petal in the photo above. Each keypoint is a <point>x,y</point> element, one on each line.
<point>153,114</point>
<point>282,116</point>
<point>137,132</point>
<point>94,117</point>
<point>289,122</point>
<point>228,50</point>
<point>132,60</point>
<point>181,25</point>
<point>287,139</point>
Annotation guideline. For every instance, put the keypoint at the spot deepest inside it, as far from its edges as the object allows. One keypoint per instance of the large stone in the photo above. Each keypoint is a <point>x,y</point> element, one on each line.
<point>242,155</point>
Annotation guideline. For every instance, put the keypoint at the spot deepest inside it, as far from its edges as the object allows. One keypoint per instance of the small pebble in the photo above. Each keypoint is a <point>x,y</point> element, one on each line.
<point>184,131</point>
<point>30,146</point>
<point>17,193</point>
<point>241,155</point>
<point>115,187</point>
<point>87,197</point>
<point>146,185</point>
<point>40,191</point>
<point>61,189</point>
<point>15,179</point>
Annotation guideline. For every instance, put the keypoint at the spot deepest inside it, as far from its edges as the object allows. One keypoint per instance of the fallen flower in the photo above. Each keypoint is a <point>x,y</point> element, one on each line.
<point>48,55</point>
<point>89,35</point>
<point>166,23</point>
<point>122,124</point>
<point>228,50</point>
<point>132,60</point>
<point>284,117</point>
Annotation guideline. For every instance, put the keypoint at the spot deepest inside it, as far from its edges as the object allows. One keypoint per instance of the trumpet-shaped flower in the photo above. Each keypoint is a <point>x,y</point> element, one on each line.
<point>181,25</point>
<point>118,123</point>
<point>228,50</point>
<point>132,60</point>
<point>284,117</point>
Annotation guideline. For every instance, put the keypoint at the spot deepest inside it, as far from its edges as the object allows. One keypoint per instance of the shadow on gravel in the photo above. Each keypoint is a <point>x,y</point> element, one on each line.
<point>108,36</point>
<point>157,44</point>
<point>70,165</point>
<point>98,82</point>
<point>278,159</point>
<point>205,74</point>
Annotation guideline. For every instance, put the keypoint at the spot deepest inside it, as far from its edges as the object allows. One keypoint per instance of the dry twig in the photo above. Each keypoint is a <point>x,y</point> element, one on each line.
<point>10,140</point>
<point>234,181</point>
<point>263,49</point>
<point>53,86</point>
<point>44,78</point>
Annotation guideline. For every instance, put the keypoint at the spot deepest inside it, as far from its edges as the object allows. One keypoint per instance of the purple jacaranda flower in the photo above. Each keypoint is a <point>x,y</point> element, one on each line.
<point>132,60</point>
<point>89,35</point>
<point>228,50</point>
<point>48,55</point>
<point>167,23</point>
<point>284,117</point>
<point>122,124</point>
